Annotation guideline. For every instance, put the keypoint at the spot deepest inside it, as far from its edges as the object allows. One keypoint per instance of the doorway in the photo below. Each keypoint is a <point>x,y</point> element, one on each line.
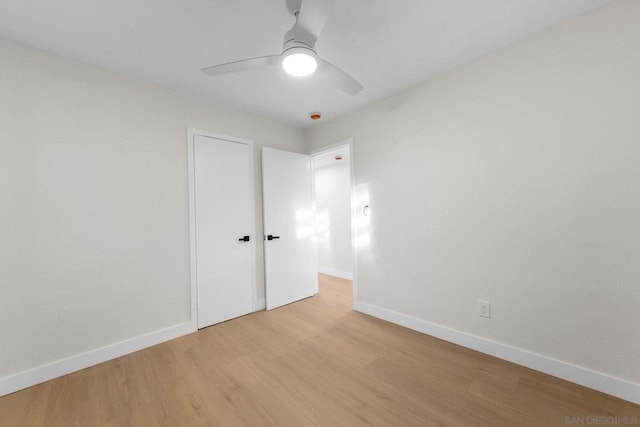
<point>332,183</point>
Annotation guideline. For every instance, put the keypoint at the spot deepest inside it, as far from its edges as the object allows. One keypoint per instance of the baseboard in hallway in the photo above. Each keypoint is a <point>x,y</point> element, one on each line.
<point>335,273</point>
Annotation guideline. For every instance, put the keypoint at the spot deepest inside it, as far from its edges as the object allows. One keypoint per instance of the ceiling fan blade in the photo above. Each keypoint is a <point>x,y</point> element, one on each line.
<point>312,17</point>
<point>245,64</point>
<point>338,78</point>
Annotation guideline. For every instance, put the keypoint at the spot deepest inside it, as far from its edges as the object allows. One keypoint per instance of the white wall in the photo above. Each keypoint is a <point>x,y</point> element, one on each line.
<point>333,209</point>
<point>513,179</point>
<point>94,210</point>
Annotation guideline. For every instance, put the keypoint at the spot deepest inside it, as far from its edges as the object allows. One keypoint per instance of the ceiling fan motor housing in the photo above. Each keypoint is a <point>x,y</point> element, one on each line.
<point>298,36</point>
<point>298,57</point>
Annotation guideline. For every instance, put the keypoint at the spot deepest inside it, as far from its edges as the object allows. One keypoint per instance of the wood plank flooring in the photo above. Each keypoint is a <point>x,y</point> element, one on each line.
<point>312,363</point>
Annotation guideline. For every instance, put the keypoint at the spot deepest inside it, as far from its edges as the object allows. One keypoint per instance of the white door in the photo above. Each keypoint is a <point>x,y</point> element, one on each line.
<point>289,245</point>
<point>224,228</point>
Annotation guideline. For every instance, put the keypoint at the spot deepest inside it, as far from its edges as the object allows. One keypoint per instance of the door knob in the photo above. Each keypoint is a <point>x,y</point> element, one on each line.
<point>244,239</point>
<point>272,237</point>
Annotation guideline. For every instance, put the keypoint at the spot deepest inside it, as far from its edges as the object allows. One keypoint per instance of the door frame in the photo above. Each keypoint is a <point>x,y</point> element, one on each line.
<point>348,143</point>
<point>192,133</point>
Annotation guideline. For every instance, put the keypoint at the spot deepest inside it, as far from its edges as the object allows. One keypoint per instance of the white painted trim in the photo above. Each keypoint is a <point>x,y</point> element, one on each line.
<point>335,273</point>
<point>191,135</point>
<point>331,147</point>
<point>576,374</point>
<point>316,246</point>
<point>354,213</point>
<point>40,374</point>
<point>261,304</point>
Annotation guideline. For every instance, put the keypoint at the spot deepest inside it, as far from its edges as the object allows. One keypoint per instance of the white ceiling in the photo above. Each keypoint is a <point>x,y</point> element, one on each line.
<point>386,45</point>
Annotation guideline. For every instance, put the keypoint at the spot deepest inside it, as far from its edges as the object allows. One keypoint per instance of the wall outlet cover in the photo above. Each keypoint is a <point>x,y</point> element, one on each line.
<point>484,309</point>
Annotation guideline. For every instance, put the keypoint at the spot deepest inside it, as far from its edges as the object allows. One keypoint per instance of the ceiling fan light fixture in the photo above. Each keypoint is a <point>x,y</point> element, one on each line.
<point>299,61</point>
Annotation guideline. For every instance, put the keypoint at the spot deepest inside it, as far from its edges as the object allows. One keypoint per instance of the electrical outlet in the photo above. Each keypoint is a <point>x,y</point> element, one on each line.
<point>484,309</point>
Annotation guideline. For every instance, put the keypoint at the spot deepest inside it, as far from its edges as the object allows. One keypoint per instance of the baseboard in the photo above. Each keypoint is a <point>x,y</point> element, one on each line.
<point>576,374</point>
<point>40,374</point>
<point>335,273</point>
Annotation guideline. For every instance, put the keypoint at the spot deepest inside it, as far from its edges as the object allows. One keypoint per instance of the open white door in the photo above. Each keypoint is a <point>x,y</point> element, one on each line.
<point>289,246</point>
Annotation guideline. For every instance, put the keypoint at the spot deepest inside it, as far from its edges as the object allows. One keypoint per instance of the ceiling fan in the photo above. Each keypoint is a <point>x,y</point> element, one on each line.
<point>298,57</point>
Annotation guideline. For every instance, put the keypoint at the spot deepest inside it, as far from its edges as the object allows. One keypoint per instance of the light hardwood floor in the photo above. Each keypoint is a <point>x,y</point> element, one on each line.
<point>312,363</point>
